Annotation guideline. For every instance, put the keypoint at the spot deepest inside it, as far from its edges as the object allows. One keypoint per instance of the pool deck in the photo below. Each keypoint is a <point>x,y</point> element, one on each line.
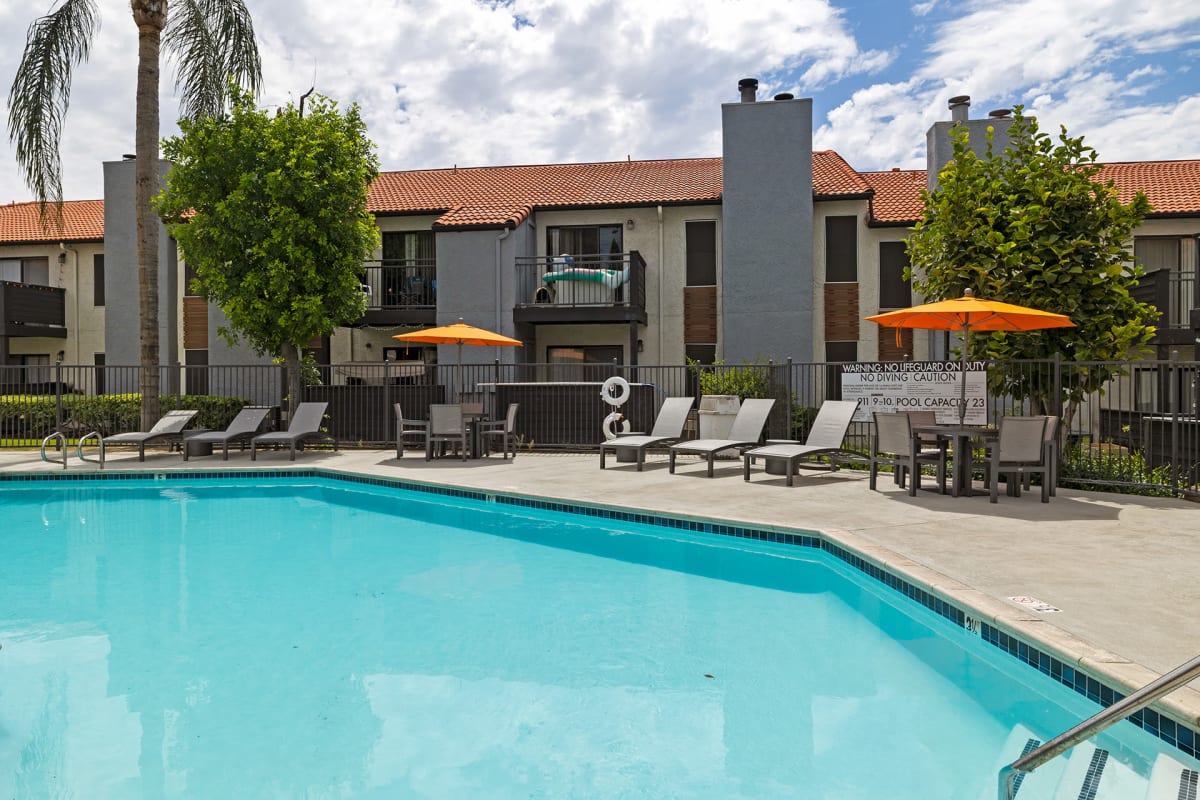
<point>1122,569</point>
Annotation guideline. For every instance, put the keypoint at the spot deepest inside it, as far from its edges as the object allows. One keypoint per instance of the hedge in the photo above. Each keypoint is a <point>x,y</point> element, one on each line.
<point>32,416</point>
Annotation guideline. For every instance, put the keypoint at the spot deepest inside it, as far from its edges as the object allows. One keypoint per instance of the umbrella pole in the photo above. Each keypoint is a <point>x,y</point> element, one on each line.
<point>458,377</point>
<point>962,401</point>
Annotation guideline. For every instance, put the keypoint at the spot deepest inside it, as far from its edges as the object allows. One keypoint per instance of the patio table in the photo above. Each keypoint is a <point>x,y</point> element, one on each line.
<point>961,437</point>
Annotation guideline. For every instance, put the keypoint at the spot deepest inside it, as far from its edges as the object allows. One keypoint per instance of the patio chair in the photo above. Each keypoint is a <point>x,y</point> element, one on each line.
<point>304,426</point>
<point>446,425</point>
<point>745,432</point>
<point>824,440</point>
<point>1051,444</point>
<point>1018,451</point>
<point>169,428</point>
<point>502,429</point>
<point>668,429</point>
<point>243,427</point>
<point>407,428</point>
<point>892,445</point>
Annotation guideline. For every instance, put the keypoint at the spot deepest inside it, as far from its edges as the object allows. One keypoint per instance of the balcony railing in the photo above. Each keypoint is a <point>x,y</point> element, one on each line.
<point>28,310</point>
<point>1171,292</point>
<point>583,288</point>
<point>400,290</point>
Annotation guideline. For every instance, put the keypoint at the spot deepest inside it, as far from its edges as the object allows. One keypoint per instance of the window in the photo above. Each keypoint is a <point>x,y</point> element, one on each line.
<point>408,269</point>
<point>701,253</point>
<point>190,282</point>
<point>35,271</point>
<point>601,243</point>
<point>841,249</point>
<point>37,369</point>
<point>1176,258</point>
<point>98,279</point>
<point>894,291</point>
<point>700,353</point>
<point>196,367</point>
<point>583,363</point>
<point>837,353</point>
<point>98,360</point>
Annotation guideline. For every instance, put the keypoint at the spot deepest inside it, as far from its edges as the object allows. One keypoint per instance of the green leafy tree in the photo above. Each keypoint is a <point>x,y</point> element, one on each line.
<point>1034,226</point>
<point>211,41</point>
<point>270,210</point>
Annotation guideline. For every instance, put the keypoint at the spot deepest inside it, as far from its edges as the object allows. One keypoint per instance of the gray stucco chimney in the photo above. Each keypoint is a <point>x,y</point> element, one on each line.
<point>749,88</point>
<point>959,106</point>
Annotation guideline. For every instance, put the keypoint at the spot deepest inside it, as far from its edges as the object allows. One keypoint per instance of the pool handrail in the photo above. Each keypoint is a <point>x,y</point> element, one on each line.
<point>62,442</point>
<point>1164,684</point>
<point>99,440</point>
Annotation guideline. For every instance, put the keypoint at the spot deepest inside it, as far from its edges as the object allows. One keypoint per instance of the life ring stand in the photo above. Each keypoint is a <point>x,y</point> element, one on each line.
<point>615,391</point>
<point>611,422</point>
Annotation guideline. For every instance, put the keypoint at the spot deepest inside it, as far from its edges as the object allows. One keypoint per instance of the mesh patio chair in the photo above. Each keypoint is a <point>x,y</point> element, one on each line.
<point>243,427</point>
<point>168,429</point>
<point>407,428</point>
<point>502,429</point>
<point>668,429</point>
<point>446,426</point>
<point>745,432</point>
<point>891,445</point>
<point>304,426</point>
<point>824,440</point>
<point>1018,451</point>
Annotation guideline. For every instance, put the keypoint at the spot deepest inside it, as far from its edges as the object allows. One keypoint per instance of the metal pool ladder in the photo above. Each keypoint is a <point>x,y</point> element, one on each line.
<point>61,441</point>
<point>1118,711</point>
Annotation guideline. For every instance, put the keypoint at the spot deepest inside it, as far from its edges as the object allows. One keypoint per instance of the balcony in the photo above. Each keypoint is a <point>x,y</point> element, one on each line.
<point>28,310</point>
<point>1174,295</point>
<point>400,292</point>
<point>588,289</point>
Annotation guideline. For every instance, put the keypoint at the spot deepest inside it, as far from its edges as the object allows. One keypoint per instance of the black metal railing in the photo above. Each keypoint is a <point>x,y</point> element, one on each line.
<point>604,280</point>
<point>1137,428</point>
<point>400,283</point>
<point>29,310</point>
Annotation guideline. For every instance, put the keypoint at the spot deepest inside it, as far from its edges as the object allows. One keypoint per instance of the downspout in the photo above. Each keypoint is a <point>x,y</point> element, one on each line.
<point>499,309</point>
<point>75,253</point>
<point>661,270</point>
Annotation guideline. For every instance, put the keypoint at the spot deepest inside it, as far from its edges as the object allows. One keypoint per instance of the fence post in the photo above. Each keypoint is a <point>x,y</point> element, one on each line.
<point>1058,392</point>
<point>788,378</point>
<point>1174,388</point>
<point>58,420</point>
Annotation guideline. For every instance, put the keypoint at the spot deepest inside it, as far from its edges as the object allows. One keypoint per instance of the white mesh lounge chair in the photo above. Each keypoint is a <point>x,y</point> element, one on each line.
<point>305,426</point>
<point>243,427</point>
<point>1020,449</point>
<point>892,444</point>
<point>169,428</point>
<point>745,432</point>
<point>824,439</point>
<point>668,429</point>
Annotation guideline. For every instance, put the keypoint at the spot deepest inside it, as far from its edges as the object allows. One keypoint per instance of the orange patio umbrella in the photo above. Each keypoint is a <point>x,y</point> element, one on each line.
<point>459,333</point>
<point>969,313</point>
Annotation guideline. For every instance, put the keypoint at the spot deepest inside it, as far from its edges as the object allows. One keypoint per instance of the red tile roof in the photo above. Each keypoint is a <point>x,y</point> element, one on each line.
<point>82,221</point>
<point>1172,187</point>
<point>833,177</point>
<point>493,196</point>
<point>897,197</point>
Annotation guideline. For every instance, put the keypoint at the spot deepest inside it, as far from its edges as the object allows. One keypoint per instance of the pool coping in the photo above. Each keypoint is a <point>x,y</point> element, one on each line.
<point>1092,672</point>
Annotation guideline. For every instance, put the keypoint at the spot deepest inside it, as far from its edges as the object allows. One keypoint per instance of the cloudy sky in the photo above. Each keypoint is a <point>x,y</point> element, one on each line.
<point>489,82</point>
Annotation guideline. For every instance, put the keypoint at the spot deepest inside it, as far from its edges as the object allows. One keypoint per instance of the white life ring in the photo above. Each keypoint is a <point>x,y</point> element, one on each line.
<point>611,422</point>
<point>615,391</point>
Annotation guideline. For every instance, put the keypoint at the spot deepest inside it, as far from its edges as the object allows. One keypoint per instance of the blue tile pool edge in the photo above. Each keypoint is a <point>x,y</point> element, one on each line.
<point>1179,735</point>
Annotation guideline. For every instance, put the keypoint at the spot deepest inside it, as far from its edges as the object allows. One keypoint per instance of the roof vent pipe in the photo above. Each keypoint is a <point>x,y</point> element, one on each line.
<point>958,107</point>
<point>1000,113</point>
<point>748,87</point>
<point>785,96</point>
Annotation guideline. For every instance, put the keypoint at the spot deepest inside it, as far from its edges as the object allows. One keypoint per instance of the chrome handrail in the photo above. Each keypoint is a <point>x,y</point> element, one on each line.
<point>1118,711</point>
<point>99,440</point>
<point>63,441</point>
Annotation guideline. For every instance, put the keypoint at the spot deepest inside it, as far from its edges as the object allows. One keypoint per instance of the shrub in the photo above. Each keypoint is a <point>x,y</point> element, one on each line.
<point>33,416</point>
<point>752,380</point>
<point>1081,468</point>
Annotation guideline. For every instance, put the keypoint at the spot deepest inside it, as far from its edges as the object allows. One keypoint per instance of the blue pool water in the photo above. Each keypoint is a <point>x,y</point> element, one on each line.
<point>321,639</point>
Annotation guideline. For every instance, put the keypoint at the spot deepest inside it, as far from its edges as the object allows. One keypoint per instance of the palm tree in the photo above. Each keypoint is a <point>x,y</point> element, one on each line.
<point>211,41</point>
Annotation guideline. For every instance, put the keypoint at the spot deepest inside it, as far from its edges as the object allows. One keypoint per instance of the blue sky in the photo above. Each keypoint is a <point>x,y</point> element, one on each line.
<point>488,82</point>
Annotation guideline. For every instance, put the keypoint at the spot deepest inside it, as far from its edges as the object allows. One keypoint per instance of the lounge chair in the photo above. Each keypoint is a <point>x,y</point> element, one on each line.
<point>892,444</point>
<point>406,428</point>
<point>824,439</point>
<point>305,426</point>
<point>745,432</point>
<point>243,427</point>
<point>668,429</point>
<point>169,428</point>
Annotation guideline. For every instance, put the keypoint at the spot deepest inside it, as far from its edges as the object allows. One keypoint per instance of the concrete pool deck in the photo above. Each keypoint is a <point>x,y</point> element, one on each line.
<point>1122,569</point>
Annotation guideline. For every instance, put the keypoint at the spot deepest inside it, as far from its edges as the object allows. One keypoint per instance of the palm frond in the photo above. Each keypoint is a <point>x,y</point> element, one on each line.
<point>41,92</point>
<point>212,42</point>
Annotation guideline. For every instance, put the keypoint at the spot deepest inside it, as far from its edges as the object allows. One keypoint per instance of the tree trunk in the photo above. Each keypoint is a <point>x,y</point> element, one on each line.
<point>150,16</point>
<point>291,361</point>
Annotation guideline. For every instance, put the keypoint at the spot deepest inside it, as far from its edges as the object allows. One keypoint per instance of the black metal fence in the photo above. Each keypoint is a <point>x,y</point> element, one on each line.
<point>1132,425</point>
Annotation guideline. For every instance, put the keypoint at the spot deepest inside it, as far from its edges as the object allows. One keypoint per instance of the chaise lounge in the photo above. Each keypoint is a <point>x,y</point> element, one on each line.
<point>668,429</point>
<point>745,432</point>
<point>824,439</point>
<point>169,428</point>
<point>243,427</point>
<point>305,426</point>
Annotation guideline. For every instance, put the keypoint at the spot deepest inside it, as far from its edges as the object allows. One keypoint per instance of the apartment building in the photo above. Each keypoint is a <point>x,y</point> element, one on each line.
<point>771,251</point>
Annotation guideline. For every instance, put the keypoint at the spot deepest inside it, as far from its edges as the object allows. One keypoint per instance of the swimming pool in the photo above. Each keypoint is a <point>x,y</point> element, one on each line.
<point>305,636</point>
